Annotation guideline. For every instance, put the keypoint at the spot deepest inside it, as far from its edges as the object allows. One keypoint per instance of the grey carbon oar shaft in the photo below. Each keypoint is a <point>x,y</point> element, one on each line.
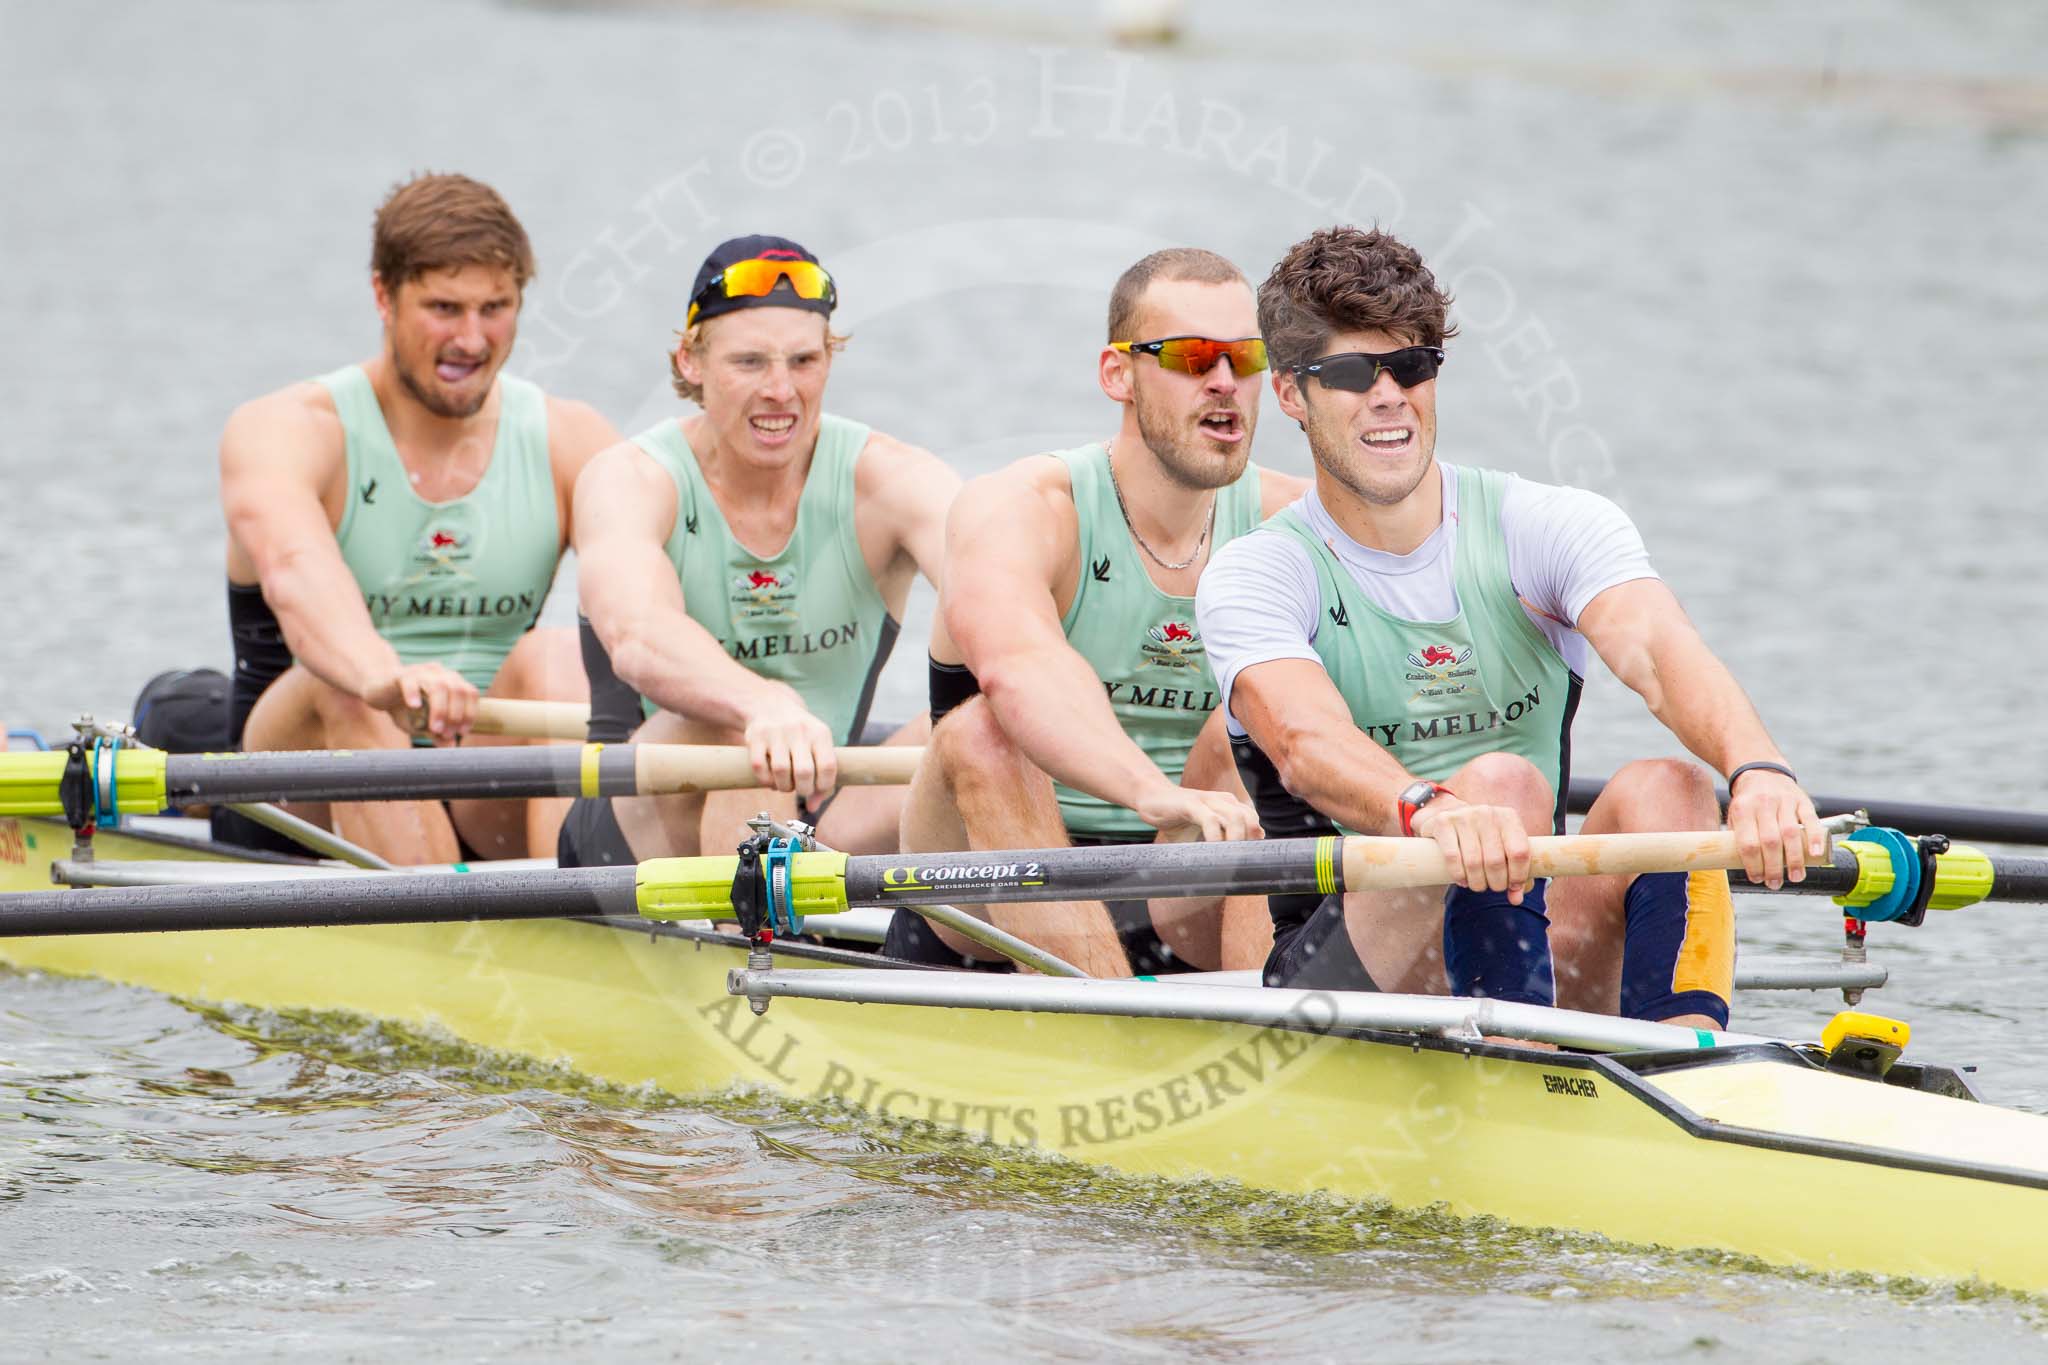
<point>1915,817</point>
<point>690,888</point>
<point>1827,879</point>
<point>915,879</point>
<point>1271,866</point>
<point>491,771</point>
<point>1131,872</point>
<point>1303,866</point>
<point>405,899</point>
<point>397,774</point>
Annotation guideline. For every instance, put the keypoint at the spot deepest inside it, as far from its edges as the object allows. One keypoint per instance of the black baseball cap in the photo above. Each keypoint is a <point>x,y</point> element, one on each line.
<point>779,291</point>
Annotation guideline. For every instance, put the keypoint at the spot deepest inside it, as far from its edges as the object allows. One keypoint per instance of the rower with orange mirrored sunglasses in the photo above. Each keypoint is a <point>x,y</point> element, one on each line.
<point>1198,355</point>
<point>758,278</point>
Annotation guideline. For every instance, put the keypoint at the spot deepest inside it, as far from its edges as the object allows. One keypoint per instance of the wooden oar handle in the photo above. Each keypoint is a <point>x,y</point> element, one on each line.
<point>684,767</point>
<point>531,719</point>
<point>700,767</point>
<point>663,768</point>
<point>1374,864</point>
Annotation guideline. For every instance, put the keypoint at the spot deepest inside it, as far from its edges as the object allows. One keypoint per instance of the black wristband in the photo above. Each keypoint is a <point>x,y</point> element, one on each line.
<point>1767,767</point>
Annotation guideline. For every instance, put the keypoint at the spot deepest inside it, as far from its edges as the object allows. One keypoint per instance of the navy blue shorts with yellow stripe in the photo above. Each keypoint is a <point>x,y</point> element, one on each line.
<point>1678,957</point>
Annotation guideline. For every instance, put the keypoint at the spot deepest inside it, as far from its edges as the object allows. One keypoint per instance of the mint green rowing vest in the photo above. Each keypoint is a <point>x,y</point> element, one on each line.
<point>1141,642</point>
<point>456,582</point>
<point>809,615</point>
<point>1437,694</point>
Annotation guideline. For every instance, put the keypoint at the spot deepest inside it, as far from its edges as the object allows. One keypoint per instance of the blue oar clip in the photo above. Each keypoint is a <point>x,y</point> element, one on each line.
<point>782,915</point>
<point>106,790</point>
<point>1897,903</point>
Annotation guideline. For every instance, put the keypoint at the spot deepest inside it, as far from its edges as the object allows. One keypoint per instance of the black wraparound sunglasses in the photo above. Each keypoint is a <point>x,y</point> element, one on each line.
<point>1357,371</point>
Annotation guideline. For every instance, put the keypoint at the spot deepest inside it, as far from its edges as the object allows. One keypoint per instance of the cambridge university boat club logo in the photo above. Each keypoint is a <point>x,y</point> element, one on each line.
<point>442,551</point>
<point>1441,670</point>
<point>438,577</point>
<point>439,555</point>
<point>1173,644</point>
<point>761,593</point>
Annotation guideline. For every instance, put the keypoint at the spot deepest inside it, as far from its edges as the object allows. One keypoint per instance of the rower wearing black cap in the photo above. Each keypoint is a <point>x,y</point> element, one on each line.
<point>743,570</point>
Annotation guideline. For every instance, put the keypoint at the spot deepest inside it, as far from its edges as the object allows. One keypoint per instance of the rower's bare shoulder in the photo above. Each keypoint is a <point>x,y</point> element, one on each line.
<point>1277,490</point>
<point>1034,487</point>
<point>577,433</point>
<point>623,495</point>
<point>1021,513</point>
<point>887,463</point>
<point>622,469</point>
<point>283,475</point>
<point>292,431</point>
<point>302,414</point>
<point>1045,475</point>
<point>1012,554</point>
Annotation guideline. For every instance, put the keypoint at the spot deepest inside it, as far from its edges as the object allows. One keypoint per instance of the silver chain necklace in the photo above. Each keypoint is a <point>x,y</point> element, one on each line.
<point>1132,526</point>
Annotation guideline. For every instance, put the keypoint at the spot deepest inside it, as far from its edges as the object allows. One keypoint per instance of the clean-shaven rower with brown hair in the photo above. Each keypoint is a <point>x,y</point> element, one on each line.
<point>393,527</point>
<point>1401,651</point>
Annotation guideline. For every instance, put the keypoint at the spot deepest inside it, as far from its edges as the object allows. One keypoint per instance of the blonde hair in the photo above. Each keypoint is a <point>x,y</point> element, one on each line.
<point>691,338</point>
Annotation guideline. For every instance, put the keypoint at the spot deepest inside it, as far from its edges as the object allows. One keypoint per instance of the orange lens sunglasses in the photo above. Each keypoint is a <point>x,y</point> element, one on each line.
<point>1198,355</point>
<point>758,278</point>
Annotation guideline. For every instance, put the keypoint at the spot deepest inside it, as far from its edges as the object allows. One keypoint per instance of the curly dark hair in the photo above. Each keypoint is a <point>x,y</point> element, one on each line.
<point>1348,279</point>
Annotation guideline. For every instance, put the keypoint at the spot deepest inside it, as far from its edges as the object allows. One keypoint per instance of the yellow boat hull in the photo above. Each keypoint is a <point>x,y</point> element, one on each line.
<point>1756,1154</point>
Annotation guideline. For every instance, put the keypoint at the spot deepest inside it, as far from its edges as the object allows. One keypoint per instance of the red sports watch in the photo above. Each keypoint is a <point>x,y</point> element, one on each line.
<point>1414,797</point>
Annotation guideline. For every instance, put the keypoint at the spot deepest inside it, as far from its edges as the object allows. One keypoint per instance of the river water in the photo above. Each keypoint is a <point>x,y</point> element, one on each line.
<point>1773,280</point>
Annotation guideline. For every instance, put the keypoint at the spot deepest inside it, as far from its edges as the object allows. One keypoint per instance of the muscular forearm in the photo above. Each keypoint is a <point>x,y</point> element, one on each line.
<point>328,630</point>
<point>1298,720</point>
<point>1053,707</point>
<point>1346,777</point>
<point>680,666</point>
<point>1695,697</point>
<point>1641,633</point>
